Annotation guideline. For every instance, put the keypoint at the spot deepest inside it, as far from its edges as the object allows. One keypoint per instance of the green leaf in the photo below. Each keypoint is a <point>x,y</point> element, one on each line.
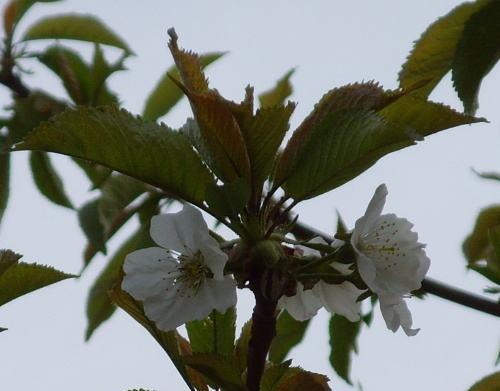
<point>264,137</point>
<point>433,53</point>
<point>92,226</point>
<point>488,383</point>
<point>221,135</point>
<point>358,96</point>
<point>75,27</point>
<point>101,70</point>
<point>215,117</point>
<point>303,380</point>
<point>166,339</point>
<point>99,306</point>
<point>494,176</point>
<point>7,259</point>
<point>228,199</point>
<point>241,346</point>
<point>279,93</point>
<point>85,84</point>
<point>343,335</point>
<point>349,130</point>
<point>116,194</point>
<point>221,370</point>
<point>214,334</point>
<point>477,246</point>
<point>23,278</point>
<point>30,112</point>
<point>188,65</point>
<point>96,173</point>
<point>114,138</point>
<point>273,374</point>
<point>20,7</point>
<point>166,94</point>
<point>47,179</point>
<point>477,52</point>
<point>71,69</point>
<point>4,181</point>
<point>289,333</point>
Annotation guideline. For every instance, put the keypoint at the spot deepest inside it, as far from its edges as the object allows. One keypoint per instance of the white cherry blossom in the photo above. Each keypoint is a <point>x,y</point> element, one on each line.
<point>336,298</point>
<point>182,280</point>
<point>390,260</point>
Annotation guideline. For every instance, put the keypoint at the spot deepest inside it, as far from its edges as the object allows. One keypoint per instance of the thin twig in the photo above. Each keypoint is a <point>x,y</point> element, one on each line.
<point>429,285</point>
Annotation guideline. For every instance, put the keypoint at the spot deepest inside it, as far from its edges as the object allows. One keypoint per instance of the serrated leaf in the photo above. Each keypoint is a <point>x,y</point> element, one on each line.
<point>228,199</point>
<point>477,52</point>
<point>216,117</point>
<point>222,135</point>
<point>166,339</point>
<point>357,96</point>
<point>99,306</point>
<point>7,259</point>
<point>289,333</point>
<point>116,194</point>
<point>488,383</point>
<point>279,93</point>
<point>273,374</point>
<point>264,137</point>
<point>166,94</point>
<point>22,278</point>
<point>114,138</point>
<point>344,144</point>
<point>221,370</point>
<point>4,182</point>
<point>30,112</point>
<point>47,179</point>
<point>214,334</point>
<point>433,53</point>
<point>75,27</point>
<point>303,380</point>
<point>92,226</point>
<point>188,64</point>
<point>343,335</point>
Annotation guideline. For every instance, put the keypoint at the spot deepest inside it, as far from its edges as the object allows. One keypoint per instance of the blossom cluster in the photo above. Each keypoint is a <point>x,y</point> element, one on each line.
<point>185,278</point>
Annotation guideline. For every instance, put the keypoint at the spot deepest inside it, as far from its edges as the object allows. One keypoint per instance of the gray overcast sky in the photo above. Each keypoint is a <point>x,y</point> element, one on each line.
<point>331,43</point>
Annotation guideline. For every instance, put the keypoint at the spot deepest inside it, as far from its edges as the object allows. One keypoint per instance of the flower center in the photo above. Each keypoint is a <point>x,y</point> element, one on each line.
<point>381,244</point>
<point>192,271</point>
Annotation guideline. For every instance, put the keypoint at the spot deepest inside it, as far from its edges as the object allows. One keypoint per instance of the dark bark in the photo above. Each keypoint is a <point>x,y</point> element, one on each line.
<point>262,334</point>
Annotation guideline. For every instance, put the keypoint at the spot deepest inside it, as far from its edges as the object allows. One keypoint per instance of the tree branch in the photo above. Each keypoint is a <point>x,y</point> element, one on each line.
<point>429,285</point>
<point>262,333</point>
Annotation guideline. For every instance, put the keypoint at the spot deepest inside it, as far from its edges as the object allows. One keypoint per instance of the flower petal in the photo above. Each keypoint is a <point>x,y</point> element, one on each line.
<point>220,295</point>
<point>396,313</point>
<point>340,298</point>
<point>373,211</point>
<point>182,231</point>
<point>148,272</point>
<point>172,309</point>
<point>303,305</point>
<point>214,257</point>
<point>367,270</point>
